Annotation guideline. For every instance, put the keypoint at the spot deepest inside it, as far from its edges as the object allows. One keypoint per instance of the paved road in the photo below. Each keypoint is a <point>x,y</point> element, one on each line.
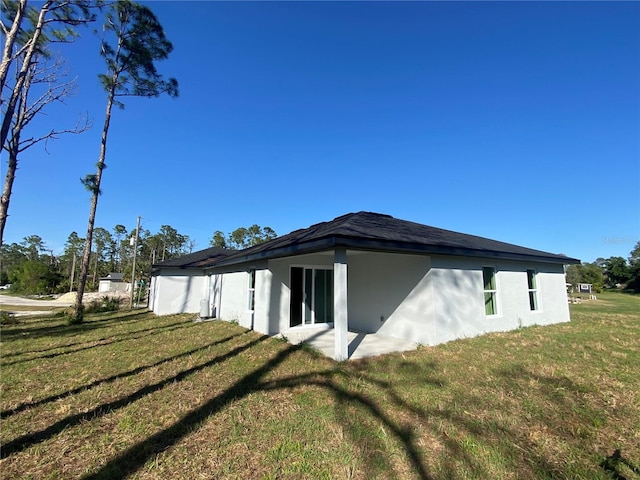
<point>31,302</point>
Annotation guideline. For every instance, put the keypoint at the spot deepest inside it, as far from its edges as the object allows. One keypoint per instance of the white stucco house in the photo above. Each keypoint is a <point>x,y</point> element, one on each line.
<point>370,273</point>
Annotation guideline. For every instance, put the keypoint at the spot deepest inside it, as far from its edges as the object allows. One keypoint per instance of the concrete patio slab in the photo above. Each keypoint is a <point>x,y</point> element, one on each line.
<point>361,345</point>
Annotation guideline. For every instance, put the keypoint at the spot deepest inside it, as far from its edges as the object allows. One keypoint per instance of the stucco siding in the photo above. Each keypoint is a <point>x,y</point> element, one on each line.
<point>554,304</point>
<point>390,294</point>
<point>424,299</point>
<point>261,296</point>
<point>234,298</point>
<point>179,291</point>
<point>275,299</point>
<point>457,302</point>
<point>111,286</point>
<point>153,293</point>
<point>387,293</point>
<point>214,294</point>
<point>459,298</point>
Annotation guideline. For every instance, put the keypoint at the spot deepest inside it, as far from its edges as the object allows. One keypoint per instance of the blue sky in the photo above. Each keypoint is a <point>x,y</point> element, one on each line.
<point>515,121</point>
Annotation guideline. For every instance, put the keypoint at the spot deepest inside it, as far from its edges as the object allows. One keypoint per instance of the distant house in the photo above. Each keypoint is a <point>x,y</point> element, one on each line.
<point>584,288</point>
<point>114,282</point>
<point>370,273</point>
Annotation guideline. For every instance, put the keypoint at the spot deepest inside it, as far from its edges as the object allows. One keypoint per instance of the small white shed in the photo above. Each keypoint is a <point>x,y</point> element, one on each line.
<point>114,282</point>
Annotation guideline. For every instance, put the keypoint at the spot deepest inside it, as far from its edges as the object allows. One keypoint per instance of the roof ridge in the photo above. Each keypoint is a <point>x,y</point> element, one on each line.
<point>340,220</point>
<point>346,219</point>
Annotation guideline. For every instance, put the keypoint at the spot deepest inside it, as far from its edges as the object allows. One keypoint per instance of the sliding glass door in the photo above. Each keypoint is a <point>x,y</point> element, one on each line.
<point>311,296</point>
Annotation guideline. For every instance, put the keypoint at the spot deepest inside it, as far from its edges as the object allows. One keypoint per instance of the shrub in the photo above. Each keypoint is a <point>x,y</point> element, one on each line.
<point>8,318</point>
<point>105,304</point>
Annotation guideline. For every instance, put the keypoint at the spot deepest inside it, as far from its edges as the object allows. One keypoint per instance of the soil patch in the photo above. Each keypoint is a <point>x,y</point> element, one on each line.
<point>89,297</point>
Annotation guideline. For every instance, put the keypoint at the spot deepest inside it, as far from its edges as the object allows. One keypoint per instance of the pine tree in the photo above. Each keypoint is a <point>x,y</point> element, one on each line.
<point>138,41</point>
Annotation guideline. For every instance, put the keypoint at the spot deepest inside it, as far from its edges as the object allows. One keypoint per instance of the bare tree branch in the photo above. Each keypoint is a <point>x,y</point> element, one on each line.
<point>63,14</point>
<point>51,77</point>
<point>82,125</point>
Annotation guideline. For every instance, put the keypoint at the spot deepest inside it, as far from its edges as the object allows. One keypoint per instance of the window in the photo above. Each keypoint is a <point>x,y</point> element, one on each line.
<point>490,291</point>
<point>251,303</point>
<point>533,289</point>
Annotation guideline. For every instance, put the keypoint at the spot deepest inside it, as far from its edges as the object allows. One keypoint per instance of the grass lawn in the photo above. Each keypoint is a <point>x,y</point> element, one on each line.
<point>33,308</point>
<point>137,396</point>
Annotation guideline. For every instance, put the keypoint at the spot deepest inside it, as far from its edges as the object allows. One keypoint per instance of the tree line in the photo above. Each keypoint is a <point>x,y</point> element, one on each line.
<point>30,267</point>
<point>612,272</point>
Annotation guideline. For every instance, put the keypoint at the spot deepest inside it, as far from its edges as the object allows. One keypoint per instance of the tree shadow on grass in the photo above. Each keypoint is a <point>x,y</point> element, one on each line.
<point>62,329</point>
<point>102,381</point>
<point>131,460</point>
<point>360,414</point>
<point>367,424</point>
<point>136,456</point>
<point>34,438</point>
<point>104,341</point>
<point>22,353</point>
<point>619,467</point>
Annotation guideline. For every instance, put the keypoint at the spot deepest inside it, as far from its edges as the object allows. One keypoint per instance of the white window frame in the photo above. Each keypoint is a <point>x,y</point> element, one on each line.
<point>535,290</point>
<point>251,290</point>
<point>494,292</point>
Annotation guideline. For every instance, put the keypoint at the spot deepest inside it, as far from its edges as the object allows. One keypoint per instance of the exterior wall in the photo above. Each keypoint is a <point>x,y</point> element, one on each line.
<point>214,293</point>
<point>265,289</point>
<point>103,285</point>
<point>178,291</point>
<point>459,299</point>
<point>553,300</point>
<point>276,299</point>
<point>428,300</point>
<point>234,298</point>
<point>111,286</point>
<point>228,295</point>
<point>391,294</point>
<point>153,297</point>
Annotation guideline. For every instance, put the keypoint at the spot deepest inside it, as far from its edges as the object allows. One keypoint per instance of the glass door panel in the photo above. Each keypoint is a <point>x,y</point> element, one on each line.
<point>323,296</point>
<point>311,296</point>
<point>308,296</point>
<point>295,316</point>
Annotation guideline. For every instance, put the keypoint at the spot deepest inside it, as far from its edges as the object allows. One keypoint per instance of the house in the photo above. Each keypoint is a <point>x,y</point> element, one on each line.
<point>371,273</point>
<point>179,285</point>
<point>585,288</point>
<point>114,282</point>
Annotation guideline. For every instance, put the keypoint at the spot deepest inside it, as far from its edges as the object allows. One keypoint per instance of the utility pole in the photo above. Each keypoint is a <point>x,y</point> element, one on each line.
<point>133,271</point>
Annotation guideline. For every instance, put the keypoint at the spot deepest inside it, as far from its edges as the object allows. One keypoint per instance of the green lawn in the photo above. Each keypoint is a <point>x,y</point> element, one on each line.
<point>137,396</point>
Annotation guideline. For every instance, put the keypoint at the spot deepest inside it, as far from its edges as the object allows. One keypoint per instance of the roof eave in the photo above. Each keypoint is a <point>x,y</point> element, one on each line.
<point>290,250</point>
<point>389,246</point>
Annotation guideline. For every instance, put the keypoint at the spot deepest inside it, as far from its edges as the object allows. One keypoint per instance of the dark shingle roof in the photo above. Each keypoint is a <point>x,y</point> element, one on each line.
<point>366,231</point>
<point>374,231</point>
<point>114,277</point>
<point>197,259</point>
